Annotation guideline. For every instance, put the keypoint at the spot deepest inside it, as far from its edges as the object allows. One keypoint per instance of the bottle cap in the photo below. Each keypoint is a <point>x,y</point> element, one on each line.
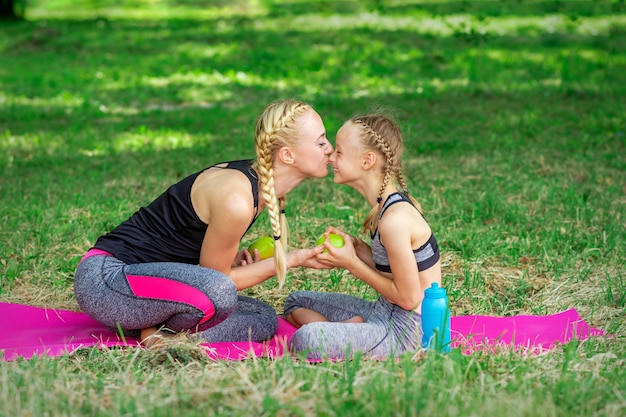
<point>435,291</point>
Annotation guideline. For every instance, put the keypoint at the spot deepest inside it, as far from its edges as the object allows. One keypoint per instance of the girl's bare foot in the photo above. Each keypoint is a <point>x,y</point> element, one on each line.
<point>355,319</point>
<point>301,316</point>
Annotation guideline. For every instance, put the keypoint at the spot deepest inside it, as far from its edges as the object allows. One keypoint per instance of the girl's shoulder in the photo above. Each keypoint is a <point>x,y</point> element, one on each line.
<point>403,219</point>
<point>403,215</point>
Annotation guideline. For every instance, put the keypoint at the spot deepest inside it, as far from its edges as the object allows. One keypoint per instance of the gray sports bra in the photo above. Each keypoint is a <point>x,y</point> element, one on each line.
<point>426,255</point>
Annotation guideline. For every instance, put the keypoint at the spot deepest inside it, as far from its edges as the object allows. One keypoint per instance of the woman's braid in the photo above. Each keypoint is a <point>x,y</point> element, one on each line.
<point>276,127</point>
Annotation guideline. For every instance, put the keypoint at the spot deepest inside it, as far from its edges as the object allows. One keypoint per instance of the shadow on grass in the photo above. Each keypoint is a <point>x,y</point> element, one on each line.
<point>112,86</point>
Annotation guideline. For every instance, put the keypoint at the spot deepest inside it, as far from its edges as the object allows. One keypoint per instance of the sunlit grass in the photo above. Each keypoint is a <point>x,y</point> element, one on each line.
<point>555,65</point>
<point>448,25</point>
<point>540,71</point>
<point>141,9</point>
<point>143,139</point>
<point>499,20</point>
<point>513,120</point>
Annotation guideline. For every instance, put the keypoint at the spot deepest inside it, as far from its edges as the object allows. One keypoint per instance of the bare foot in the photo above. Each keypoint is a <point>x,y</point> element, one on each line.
<point>355,319</point>
<point>153,337</point>
<point>301,316</point>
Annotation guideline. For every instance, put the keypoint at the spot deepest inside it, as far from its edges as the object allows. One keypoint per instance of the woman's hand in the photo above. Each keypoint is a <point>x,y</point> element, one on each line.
<point>307,258</point>
<point>244,257</point>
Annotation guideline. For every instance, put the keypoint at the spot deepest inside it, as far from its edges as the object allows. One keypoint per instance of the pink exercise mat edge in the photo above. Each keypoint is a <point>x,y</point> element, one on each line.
<point>34,331</point>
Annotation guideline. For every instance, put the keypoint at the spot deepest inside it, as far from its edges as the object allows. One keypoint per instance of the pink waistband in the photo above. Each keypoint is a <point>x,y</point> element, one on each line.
<point>95,252</point>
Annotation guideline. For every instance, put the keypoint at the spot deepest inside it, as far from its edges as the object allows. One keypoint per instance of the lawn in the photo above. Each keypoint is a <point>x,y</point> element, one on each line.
<point>514,120</point>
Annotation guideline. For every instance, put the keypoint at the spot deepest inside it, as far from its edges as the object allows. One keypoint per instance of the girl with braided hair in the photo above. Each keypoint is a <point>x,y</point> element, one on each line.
<point>174,265</point>
<point>402,261</point>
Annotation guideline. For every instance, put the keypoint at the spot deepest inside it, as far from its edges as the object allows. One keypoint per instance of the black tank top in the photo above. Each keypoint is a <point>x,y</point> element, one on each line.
<point>168,229</point>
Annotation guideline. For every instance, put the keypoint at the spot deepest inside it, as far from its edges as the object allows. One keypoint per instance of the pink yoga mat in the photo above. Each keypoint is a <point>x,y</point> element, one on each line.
<point>32,331</point>
<point>532,334</point>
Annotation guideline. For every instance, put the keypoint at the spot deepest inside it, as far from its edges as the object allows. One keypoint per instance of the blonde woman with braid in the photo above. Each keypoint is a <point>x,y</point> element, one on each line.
<point>174,265</point>
<point>402,261</point>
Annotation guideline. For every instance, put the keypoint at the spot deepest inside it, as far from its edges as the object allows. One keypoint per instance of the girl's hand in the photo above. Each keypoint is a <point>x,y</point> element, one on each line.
<point>338,257</point>
<point>363,251</point>
<point>243,257</point>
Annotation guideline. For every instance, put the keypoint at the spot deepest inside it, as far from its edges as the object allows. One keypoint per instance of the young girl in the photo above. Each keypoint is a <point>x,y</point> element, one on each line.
<point>401,263</point>
<point>174,265</point>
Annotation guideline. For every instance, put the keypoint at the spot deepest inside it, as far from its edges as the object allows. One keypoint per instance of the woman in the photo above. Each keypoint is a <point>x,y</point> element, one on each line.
<point>174,265</point>
<point>401,263</point>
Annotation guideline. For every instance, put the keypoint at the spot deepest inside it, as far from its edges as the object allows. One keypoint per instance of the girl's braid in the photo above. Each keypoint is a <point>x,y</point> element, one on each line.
<point>383,134</point>
<point>382,146</point>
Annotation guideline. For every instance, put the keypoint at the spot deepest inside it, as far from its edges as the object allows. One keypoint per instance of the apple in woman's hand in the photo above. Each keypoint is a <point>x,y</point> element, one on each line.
<point>265,246</point>
<point>334,239</point>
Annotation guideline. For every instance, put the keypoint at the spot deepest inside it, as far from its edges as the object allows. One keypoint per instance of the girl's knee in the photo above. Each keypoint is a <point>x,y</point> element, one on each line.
<point>300,340</point>
<point>294,301</point>
<point>309,336</point>
<point>312,341</point>
<point>295,296</point>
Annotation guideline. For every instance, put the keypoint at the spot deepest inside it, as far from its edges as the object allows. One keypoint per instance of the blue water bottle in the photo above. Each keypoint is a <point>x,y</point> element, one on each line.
<point>436,319</point>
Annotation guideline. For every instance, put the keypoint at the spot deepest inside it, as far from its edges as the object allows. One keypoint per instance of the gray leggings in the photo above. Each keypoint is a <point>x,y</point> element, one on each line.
<point>388,329</point>
<point>175,296</point>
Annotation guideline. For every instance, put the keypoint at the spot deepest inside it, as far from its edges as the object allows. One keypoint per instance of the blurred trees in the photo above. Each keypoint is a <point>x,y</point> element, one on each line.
<point>12,9</point>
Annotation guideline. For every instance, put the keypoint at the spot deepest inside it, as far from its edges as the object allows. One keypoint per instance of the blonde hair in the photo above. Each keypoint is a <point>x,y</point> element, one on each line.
<point>380,133</point>
<point>276,127</point>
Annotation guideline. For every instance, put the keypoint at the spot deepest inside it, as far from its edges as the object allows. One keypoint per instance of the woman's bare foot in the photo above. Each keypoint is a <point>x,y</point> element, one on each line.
<point>153,337</point>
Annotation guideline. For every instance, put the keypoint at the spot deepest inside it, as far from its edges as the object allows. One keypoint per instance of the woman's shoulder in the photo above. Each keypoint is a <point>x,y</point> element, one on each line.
<point>218,178</point>
<point>222,191</point>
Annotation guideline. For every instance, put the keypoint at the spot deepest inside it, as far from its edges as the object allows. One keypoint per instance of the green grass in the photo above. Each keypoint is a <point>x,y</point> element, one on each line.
<point>514,121</point>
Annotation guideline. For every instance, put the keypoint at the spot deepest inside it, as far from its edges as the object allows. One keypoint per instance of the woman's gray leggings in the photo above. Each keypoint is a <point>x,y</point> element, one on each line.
<point>388,329</point>
<point>171,295</point>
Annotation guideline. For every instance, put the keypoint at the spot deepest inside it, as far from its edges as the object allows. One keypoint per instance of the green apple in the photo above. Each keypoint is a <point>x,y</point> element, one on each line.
<point>335,240</point>
<point>265,246</point>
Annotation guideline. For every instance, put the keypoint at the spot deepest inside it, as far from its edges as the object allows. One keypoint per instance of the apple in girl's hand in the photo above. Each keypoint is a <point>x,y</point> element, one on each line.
<point>335,240</point>
<point>265,246</point>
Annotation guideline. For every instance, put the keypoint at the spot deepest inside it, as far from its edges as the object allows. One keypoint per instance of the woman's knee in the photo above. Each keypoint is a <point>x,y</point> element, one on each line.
<point>220,289</point>
<point>216,304</point>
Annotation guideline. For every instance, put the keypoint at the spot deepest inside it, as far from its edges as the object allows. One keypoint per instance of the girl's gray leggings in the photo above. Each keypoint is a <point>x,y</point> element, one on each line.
<point>388,329</point>
<point>171,295</point>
